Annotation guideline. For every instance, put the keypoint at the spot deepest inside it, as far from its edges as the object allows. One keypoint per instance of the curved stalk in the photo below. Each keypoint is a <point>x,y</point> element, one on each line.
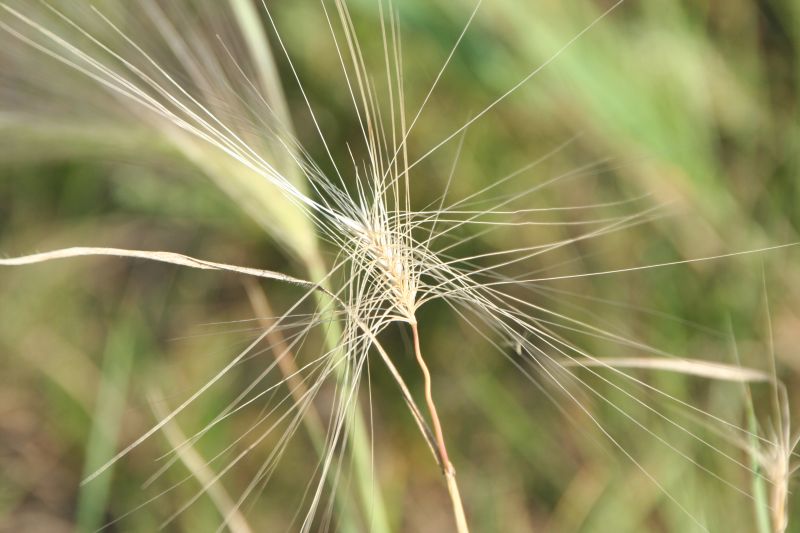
<point>447,467</point>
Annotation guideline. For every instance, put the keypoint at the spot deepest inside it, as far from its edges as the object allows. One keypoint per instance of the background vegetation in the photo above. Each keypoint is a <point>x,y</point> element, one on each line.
<point>693,105</point>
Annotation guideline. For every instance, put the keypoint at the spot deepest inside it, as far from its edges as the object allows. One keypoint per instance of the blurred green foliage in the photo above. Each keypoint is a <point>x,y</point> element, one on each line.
<point>694,104</point>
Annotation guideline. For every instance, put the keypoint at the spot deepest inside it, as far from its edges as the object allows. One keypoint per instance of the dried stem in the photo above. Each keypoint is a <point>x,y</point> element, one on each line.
<point>197,465</point>
<point>284,357</point>
<point>447,466</point>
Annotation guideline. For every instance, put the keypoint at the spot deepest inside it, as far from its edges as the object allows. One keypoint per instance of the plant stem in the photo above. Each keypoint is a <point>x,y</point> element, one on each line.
<point>235,522</point>
<point>373,506</point>
<point>110,404</point>
<point>447,466</point>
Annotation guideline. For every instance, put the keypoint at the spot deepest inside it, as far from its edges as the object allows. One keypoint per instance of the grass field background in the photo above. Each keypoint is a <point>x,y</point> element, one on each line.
<point>690,105</point>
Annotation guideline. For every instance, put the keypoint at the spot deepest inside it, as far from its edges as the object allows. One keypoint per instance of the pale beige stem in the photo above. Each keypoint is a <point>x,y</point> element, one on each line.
<point>455,498</point>
<point>234,520</point>
<point>447,466</point>
<point>284,355</point>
